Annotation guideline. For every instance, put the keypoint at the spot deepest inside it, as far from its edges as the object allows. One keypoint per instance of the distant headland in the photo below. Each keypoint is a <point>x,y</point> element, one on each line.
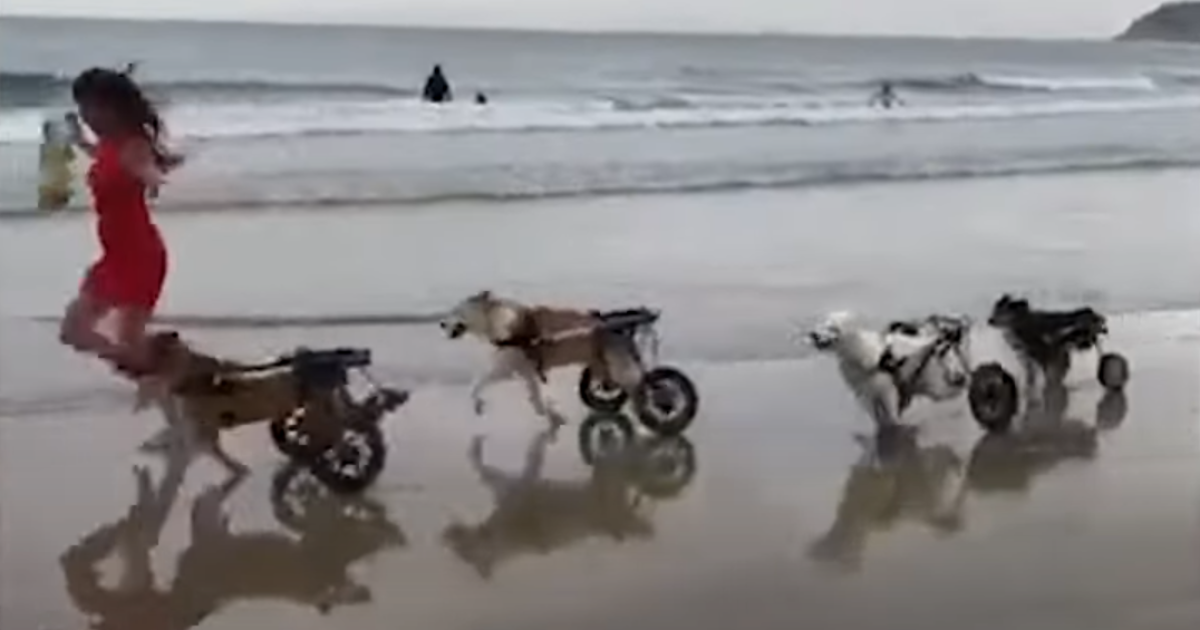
<point>1170,22</point>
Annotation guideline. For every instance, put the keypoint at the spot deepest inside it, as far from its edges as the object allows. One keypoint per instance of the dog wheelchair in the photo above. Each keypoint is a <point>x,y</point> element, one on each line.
<point>664,399</point>
<point>335,436</point>
<point>1045,339</point>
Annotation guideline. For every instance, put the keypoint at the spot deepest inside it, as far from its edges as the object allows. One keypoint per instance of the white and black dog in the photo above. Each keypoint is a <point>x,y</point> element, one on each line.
<point>887,369</point>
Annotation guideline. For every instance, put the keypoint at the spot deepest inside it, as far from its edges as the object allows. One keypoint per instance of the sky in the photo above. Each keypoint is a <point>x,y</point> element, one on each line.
<point>954,18</point>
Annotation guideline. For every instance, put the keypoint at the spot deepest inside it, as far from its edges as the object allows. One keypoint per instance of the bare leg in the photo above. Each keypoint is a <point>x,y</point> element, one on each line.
<point>78,328</point>
<point>131,346</point>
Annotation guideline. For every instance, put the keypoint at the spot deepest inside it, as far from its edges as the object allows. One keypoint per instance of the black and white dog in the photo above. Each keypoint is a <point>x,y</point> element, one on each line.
<point>1044,340</point>
<point>887,369</point>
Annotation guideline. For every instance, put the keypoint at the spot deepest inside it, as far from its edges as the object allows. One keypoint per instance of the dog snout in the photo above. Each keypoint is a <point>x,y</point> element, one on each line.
<point>453,330</point>
<point>819,340</point>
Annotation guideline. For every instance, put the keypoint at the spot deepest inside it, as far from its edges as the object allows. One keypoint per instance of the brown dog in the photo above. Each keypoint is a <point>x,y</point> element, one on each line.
<point>531,340</point>
<point>201,396</point>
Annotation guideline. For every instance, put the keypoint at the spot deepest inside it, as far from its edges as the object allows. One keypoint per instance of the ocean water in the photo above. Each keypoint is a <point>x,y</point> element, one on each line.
<point>754,143</point>
<point>304,117</point>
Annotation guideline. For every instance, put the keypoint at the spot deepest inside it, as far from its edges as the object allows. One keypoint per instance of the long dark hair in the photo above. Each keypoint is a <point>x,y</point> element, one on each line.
<point>117,90</point>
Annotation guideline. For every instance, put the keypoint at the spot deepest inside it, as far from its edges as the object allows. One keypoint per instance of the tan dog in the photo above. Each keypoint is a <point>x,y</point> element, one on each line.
<point>201,396</point>
<point>530,341</point>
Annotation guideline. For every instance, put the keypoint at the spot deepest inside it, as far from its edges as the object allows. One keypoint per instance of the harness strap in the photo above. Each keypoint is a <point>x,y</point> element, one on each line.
<point>892,365</point>
<point>527,338</point>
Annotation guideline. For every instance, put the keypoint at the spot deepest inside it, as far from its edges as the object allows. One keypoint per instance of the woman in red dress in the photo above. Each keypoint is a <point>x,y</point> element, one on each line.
<point>129,162</point>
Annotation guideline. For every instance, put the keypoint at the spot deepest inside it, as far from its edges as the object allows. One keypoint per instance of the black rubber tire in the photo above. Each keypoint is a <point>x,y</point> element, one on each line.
<point>353,464</point>
<point>666,481</point>
<point>289,438</point>
<point>1112,371</point>
<point>600,396</point>
<point>993,396</point>
<point>646,408</point>
<point>292,490</point>
<point>590,432</point>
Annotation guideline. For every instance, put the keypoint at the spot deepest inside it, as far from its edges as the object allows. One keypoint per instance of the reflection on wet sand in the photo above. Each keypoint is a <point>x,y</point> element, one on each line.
<point>898,479</point>
<point>135,600</point>
<point>533,515</point>
<point>895,479</point>
<point>221,566</point>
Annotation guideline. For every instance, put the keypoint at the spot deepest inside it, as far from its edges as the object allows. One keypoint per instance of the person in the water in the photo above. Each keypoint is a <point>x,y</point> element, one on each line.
<point>481,98</point>
<point>885,97</point>
<point>437,88</point>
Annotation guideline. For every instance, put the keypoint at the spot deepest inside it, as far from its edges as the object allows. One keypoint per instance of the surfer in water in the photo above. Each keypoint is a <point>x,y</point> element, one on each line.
<point>129,159</point>
<point>885,97</point>
<point>437,88</point>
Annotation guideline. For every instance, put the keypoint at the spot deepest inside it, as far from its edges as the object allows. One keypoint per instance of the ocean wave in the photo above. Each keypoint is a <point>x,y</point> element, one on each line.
<point>1025,83</point>
<point>32,89</point>
<point>348,117</point>
<point>516,191</point>
<point>28,89</point>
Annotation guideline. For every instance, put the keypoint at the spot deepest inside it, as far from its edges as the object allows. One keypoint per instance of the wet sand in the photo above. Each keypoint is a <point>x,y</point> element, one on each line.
<point>784,525</point>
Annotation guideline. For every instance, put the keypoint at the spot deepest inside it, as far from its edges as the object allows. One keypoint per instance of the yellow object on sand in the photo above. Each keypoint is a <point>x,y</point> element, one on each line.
<point>54,164</point>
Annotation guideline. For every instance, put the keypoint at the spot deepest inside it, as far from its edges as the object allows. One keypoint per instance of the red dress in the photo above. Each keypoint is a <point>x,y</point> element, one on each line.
<point>133,263</point>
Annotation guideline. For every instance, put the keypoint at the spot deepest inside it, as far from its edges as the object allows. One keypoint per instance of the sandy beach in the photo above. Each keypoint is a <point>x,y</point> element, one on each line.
<point>1090,521</point>
<point>1057,527</point>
